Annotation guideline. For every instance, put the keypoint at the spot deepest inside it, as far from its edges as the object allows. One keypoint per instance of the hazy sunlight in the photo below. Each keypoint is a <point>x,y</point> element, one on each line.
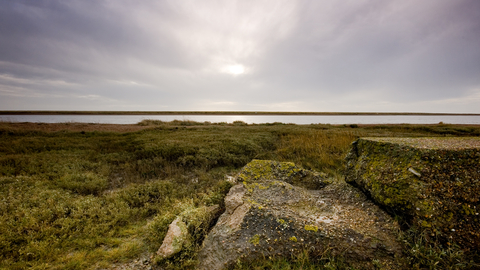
<point>235,69</point>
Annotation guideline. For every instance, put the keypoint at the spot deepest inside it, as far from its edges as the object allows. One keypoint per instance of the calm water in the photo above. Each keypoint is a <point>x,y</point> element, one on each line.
<point>251,119</point>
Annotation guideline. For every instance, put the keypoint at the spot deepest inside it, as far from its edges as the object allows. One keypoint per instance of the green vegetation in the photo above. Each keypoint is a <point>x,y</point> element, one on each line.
<point>75,199</point>
<point>424,252</point>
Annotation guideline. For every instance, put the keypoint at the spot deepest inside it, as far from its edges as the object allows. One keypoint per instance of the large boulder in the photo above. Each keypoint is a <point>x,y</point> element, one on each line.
<point>271,218</point>
<point>432,183</point>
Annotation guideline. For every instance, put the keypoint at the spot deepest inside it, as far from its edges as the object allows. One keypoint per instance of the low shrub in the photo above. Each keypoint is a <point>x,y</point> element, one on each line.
<point>83,183</point>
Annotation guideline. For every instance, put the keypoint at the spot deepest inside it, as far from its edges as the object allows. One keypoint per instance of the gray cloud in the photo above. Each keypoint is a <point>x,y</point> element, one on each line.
<point>297,55</point>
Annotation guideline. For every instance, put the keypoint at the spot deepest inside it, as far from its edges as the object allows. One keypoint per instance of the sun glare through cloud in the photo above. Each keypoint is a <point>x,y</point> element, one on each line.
<point>234,70</point>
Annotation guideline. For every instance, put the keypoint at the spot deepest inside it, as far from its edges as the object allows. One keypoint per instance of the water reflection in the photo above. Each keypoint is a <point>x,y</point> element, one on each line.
<point>251,119</point>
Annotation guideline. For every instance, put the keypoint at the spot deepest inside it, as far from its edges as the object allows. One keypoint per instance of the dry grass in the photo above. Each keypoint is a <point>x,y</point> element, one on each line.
<point>317,149</point>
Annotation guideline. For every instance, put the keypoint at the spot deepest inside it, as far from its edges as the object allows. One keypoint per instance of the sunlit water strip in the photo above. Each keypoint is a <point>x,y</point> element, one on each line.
<point>250,119</point>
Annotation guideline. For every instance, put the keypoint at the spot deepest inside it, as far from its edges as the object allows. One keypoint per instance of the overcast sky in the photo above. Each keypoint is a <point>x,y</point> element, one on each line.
<point>245,55</point>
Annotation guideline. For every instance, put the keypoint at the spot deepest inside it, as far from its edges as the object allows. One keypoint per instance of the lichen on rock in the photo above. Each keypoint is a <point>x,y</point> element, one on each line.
<point>258,170</point>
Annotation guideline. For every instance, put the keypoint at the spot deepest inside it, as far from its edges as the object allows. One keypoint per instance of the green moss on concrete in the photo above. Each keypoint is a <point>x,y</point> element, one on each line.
<point>432,183</point>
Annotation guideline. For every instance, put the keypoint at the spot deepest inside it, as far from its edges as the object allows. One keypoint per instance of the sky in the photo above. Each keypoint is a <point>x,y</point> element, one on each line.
<point>245,55</point>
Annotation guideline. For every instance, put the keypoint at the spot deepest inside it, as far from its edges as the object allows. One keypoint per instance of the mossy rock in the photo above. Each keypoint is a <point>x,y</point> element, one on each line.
<point>431,183</point>
<point>258,170</point>
<point>272,218</point>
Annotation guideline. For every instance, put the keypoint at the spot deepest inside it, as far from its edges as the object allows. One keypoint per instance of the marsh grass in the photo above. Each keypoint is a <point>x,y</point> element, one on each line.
<point>73,197</point>
<point>322,150</point>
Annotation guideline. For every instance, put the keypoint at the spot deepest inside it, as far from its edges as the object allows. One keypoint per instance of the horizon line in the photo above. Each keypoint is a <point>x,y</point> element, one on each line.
<point>63,112</point>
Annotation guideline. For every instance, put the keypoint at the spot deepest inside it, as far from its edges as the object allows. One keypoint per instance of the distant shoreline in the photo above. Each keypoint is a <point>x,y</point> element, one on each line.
<point>215,113</point>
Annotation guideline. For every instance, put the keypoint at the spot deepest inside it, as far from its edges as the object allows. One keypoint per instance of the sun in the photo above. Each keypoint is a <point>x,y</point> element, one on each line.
<point>235,69</point>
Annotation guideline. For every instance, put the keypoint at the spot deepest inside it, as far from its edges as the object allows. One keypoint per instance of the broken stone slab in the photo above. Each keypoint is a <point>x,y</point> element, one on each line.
<point>178,235</point>
<point>432,183</point>
<point>274,218</point>
<point>258,170</point>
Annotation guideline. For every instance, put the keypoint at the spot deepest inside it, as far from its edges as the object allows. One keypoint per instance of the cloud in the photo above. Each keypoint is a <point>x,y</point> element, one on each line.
<point>400,47</point>
<point>297,55</point>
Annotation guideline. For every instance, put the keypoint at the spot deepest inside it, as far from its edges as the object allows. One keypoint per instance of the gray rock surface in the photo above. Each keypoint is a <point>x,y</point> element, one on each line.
<point>273,218</point>
<point>234,198</point>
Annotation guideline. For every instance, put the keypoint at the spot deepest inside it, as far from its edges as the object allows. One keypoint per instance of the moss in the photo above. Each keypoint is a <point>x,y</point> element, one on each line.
<point>293,239</point>
<point>258,170</point>
<point>254,203</point>
<point>386,176</point>
<point>312,228</point>
<point>429,182</point>
<point>252,186</point>
<point>283,224</point>
<point>468,210</point>
<point>255,240</point>
<point>425,224</point>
